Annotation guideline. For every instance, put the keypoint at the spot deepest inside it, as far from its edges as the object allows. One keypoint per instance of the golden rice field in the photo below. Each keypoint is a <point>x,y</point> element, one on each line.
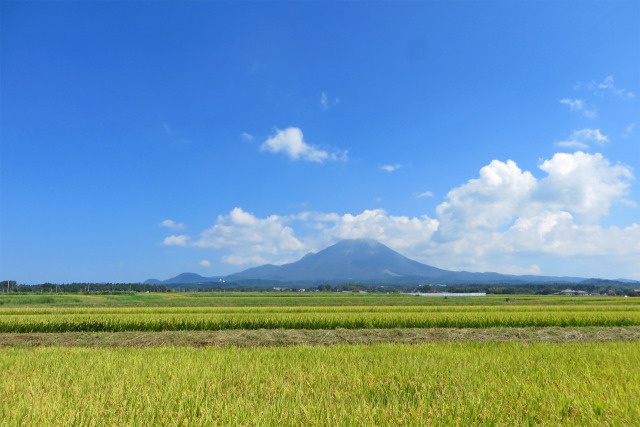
<point>385,383</point>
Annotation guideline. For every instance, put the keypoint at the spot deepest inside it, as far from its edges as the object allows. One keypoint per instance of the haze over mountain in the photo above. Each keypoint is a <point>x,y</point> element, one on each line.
<point>362,261</point>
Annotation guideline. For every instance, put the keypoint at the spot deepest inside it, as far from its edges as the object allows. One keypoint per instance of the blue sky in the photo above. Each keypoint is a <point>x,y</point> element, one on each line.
<point>146,139</point>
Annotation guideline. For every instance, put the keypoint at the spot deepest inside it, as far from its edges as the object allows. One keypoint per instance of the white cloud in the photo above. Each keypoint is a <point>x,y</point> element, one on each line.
<point>291,142</point>
<point>509,213</point>
<point>391,168</point>
<point>425,194</point>
<point>590,135</point>
<point>181,240</point>
<point>172,224</point>
<point>205,263</point>
<point>326,102</point>
<point>486,203</point>
<point>250,238</point>
<point>580,139</point>
<point>580,106</point>
<point>399,232</point>
<point>574,104</point>
<point>246,136</point>
<point>582,183</point>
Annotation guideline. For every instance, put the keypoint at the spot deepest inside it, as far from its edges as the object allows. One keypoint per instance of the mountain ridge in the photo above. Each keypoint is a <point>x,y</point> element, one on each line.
<point>361,261</point>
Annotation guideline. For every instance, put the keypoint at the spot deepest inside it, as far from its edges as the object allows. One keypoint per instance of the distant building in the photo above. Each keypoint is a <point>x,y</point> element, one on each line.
<point>446,294</point>
<point>571,292</point>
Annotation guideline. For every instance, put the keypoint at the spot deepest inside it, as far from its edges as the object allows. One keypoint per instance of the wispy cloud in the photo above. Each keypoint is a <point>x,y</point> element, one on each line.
<point>291,142</point>
<point>580,139</point>
<point>580,106</point>
<point>608,85</point>
<point>174,135</point>
<point>246,136</point>
<point>573,144</point>
<point>628,130</point>
<point>205,263</point>
<point>326,102</point>
<point>391,168</point>
<point>425,194</point>
<point>172,224</point>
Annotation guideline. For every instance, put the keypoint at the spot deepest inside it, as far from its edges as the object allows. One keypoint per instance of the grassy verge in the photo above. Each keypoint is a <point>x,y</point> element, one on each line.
<point>287,337</point>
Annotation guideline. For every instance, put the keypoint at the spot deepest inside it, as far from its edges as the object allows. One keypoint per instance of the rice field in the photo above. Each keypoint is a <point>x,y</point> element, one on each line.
<point>383,384</point>
<point>118,322</point>
<point>209,360</point>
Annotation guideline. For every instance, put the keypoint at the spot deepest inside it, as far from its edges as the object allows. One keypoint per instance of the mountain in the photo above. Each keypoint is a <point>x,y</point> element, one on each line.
<point>184,278</point>
<point>356,260</point>
<point>360,261</point>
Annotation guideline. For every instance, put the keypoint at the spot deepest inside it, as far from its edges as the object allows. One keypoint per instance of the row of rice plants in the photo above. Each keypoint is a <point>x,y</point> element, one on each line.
<point>388,384</point>
<point>290,300</point>
<point>382,320</point>
<point>320,309</point>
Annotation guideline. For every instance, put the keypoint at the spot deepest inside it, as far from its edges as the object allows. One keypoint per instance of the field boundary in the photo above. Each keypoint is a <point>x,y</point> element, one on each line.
<point>315,337</point>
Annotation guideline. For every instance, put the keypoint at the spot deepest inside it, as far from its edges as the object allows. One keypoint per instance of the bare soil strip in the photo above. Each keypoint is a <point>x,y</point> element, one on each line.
<point>287,337</point>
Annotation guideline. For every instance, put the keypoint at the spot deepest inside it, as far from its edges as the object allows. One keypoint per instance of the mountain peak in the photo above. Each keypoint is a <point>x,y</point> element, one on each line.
<point>349,259</point>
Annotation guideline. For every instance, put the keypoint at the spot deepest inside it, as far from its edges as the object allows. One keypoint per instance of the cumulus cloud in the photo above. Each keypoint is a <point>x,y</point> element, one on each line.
<point>172,224</point>
<point>250,238</point>
<point>582,183</point>
<point>291,142</point>
<point>391,168</point>
<point>205,263</point>
<point>580,106</point>
<point>507,213</point>
<point>580,139</point>
<point>486,203</point>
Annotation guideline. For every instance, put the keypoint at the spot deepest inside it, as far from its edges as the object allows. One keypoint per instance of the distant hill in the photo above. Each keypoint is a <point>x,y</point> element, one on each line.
<point>184,278</point>
<point>359,261</point>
